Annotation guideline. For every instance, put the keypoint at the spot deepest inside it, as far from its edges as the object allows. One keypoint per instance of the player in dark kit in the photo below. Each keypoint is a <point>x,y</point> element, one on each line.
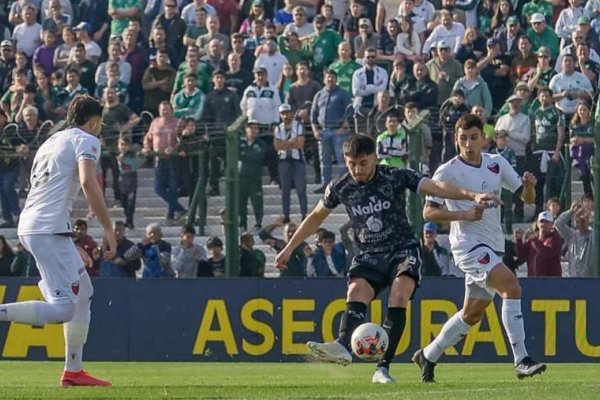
<point>374,197</point>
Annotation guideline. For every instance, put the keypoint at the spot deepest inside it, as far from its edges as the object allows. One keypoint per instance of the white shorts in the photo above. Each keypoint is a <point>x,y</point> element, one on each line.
<point>60,266</point>
<point>477,265</point>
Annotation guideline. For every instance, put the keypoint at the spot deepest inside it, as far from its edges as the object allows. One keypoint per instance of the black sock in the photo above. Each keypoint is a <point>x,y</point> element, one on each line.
<point>351,319</point>
<point>394,324</point>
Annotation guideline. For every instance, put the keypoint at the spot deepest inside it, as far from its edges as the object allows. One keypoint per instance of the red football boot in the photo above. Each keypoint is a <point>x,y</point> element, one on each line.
<point>81,378</point>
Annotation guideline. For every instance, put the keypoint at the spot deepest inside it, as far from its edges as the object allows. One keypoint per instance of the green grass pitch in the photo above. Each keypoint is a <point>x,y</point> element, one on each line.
<point>38,380</point>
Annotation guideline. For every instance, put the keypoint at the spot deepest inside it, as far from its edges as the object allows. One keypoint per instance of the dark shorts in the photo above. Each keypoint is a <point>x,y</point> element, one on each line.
<point>380,269</point>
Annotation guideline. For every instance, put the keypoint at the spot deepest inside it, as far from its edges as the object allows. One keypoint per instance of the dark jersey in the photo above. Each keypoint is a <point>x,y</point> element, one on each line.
<point>377,209</point>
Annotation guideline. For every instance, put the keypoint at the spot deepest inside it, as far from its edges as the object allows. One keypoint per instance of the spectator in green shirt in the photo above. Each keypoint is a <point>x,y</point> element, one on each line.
<point>542,35</point>
<point>323,43</point>
<point>345,66</point>
<point>121,11</point>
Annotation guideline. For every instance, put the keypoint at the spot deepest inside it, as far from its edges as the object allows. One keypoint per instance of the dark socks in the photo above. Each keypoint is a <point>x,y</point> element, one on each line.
<point>394,324</point>
<point>351,319</point>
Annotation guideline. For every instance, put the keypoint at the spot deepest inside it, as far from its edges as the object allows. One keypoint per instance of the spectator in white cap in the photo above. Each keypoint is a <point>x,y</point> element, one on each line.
<point>542,35</point>
<point>289,143</point>
<point>541,250</point>
<point>365,39</point>
<point>444,70</point>
<point>449,31</point>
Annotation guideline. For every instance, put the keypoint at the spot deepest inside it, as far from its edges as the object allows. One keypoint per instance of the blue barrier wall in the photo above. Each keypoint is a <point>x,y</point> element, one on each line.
<point>271,319</point>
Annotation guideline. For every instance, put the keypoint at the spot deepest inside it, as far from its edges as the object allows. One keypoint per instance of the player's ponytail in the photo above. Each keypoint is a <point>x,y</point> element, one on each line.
<point>83,108</point>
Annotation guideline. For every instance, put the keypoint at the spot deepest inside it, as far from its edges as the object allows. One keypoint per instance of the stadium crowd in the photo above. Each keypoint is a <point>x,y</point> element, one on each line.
<point>173,74</point>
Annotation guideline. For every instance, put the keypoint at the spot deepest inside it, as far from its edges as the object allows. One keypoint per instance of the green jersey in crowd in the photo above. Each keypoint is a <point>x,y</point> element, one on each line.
<point>324,48</point>
<point>546,122</point>
<point>188,106</point>
<point>344,71</point>
<point>251,159</point>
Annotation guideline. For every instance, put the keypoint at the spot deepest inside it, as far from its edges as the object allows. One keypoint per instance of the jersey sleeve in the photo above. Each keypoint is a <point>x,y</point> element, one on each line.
<point>510,178</point>
<point>330,198</point>
<point>409,179</point>
<point>87,148</point>
<point>441,175</point>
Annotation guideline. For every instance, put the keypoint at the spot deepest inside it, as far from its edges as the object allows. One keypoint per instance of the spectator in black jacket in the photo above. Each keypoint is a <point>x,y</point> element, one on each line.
<point>252,261</point>
<point>423,90</point>
<point>174,27</point>
<point>221,108</point>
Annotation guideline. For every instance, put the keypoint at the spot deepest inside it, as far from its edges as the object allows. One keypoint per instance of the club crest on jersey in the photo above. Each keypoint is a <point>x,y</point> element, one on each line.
<point>75,288</point>
<point>494,167</point>
<point>484,259</point>
<point>375,205</point>
<point>374,224</point>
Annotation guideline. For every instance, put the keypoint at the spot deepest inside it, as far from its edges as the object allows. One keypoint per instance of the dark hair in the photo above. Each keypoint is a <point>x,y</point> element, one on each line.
<point>587,196</point>
<point>120,223</point>
<point>80,222</point>
<point>330,71</point>
<point>80,45</point>
<point>214,242</point>
<point>469,121</point>
<point>188,229</point>
<point>545,89</point>
<point>411,104</point>
<point>83,108</point>
<point>191,75</point>
<point>302,64</point>
<point>393,114</point>
<point>553,200</point>
<point>30,88</point>
<point>73,70</point>
<point>327,235</point>
<point>359,145</point>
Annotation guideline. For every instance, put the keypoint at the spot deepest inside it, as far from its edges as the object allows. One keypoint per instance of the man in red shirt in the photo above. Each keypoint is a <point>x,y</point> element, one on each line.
<point>228,12</point>
<point>541,250</point>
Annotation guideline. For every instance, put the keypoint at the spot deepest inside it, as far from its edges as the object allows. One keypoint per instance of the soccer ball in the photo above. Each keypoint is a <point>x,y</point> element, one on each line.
<point>369,342</point>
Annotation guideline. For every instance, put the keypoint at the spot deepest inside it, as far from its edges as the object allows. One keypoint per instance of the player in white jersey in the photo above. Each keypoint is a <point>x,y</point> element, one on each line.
<point>477,242</point>
<point>63,162</point>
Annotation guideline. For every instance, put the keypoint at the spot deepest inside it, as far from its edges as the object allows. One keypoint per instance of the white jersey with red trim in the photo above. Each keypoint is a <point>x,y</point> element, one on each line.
<point>493,174</point>
<point>55,181</point>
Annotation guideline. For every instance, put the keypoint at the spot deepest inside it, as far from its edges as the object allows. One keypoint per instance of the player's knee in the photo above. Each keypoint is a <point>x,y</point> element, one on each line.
<point>472,317</point>
<point>398,300</point>
<point>360,290</point>
<point>63,312</point>
<point>512,291</point>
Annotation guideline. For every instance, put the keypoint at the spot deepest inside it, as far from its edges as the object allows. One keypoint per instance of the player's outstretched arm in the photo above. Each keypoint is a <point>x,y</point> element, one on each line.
<point>447,191</point>
<point>436,213</point>
<point>93,194</point>
<point>308,227</point>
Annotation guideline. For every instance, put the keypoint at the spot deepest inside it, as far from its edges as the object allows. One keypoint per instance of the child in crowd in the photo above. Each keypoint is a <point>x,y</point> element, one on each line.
<point>187,255</point>
<point>129,162</point>
<point>216,263</point>
<point>553,205</point>
<point>392,147</point>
